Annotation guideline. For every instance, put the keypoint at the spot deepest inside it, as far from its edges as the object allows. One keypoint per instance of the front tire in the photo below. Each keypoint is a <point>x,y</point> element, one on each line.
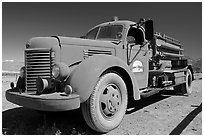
<point>106,107</point>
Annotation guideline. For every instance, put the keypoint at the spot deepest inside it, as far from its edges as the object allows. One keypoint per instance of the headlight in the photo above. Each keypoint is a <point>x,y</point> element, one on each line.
<point>60,71</point>
<point>55,71</point>
<point>22,72</point>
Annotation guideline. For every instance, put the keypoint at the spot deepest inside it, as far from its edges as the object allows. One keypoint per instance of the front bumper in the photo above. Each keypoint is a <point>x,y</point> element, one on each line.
<point>44,102</point>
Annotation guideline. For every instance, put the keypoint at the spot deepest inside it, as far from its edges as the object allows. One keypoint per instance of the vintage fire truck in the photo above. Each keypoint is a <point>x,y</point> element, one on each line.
<point>115,62</point>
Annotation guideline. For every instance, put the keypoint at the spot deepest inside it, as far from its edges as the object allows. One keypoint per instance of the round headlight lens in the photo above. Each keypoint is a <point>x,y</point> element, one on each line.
<point>60,71</point>
<point>22,72</point>
<point>55,71</point>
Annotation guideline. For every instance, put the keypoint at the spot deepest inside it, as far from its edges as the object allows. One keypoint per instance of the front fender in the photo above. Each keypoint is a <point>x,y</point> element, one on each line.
<point>85,76</point>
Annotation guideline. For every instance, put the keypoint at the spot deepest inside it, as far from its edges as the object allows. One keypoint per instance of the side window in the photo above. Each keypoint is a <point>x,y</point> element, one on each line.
<point>137,34</point>
<point>92,34</point>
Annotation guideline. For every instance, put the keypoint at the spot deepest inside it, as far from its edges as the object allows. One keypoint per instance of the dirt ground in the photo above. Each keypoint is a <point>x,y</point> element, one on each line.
<point>161,114</point>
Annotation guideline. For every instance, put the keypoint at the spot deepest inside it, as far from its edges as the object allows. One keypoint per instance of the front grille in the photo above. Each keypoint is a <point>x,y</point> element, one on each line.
<point>38,63</point>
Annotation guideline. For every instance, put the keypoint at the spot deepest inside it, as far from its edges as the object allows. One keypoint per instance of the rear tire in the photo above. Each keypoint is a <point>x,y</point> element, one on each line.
<point>187,86</point>
<point>106,106</point>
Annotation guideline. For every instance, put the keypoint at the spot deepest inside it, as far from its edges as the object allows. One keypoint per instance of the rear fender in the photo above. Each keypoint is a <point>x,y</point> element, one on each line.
<point>85,76</point>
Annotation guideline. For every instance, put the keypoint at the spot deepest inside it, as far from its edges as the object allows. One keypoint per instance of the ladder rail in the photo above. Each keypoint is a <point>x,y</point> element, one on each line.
<point>167,39</point>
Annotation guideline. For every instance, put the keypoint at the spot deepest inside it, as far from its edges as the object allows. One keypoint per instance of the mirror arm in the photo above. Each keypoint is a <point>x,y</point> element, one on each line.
<point>129,53</point>
<point>138,52</point>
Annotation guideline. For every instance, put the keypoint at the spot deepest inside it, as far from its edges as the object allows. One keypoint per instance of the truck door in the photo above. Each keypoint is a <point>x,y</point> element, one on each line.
<point>138,56</point>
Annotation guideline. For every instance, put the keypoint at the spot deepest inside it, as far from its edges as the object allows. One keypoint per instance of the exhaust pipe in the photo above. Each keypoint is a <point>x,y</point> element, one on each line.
<point>41,84</point>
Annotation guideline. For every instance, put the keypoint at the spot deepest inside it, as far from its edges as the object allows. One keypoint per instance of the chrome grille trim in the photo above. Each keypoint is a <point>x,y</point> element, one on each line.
<point>38,63</point>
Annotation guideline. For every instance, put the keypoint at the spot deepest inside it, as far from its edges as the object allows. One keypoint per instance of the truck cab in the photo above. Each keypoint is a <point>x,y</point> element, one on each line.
<point>114,62</point>
<point>123,33</point>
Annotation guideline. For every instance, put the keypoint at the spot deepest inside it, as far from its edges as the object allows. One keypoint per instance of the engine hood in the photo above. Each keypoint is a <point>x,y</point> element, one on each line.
<point>84,42</point>
<point>70,50</point>
<point>43,42</point>
<point>57,41</point>
<point>77,49</point>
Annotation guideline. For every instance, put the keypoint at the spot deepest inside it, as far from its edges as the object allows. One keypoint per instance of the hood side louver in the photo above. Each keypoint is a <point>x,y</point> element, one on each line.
<point>91,52</point>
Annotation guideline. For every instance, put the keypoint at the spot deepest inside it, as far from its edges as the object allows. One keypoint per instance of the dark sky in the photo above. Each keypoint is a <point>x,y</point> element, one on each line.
<point>21,21</point>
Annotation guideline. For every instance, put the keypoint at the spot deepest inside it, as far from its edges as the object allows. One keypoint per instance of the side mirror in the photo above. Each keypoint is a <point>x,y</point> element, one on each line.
<point>149,30</point>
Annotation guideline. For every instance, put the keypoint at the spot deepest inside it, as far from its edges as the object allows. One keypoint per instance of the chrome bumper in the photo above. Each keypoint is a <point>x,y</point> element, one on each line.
<point>44,102</point>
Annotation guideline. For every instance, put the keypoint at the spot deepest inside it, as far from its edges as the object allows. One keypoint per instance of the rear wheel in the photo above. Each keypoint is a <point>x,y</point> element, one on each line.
<point>187,86</point>
<point>106,107</point>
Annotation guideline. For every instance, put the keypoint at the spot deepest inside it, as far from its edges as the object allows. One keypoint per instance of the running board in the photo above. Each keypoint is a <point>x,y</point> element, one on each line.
<point>151,91</point>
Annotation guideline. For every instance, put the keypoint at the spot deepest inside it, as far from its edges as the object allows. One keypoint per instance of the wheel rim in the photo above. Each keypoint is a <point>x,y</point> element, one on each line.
<point>110,101</point>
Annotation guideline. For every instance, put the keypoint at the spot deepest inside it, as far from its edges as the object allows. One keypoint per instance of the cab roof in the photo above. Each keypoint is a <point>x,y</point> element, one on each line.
<point>123,22</point>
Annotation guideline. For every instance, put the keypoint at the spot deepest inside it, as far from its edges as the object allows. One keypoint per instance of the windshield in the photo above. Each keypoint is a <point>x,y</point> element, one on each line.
<point>111,32</point>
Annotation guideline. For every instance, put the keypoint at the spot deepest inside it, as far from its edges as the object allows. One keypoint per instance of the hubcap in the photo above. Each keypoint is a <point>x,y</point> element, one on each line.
<point>110,100</point>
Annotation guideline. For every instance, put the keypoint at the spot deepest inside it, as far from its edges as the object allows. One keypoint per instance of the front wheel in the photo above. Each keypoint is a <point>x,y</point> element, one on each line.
<point>106,107</point>
<point>187,86</point>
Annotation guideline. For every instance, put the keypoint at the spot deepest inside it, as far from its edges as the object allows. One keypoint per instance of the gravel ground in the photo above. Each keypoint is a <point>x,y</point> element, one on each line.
<point>161,114</point>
